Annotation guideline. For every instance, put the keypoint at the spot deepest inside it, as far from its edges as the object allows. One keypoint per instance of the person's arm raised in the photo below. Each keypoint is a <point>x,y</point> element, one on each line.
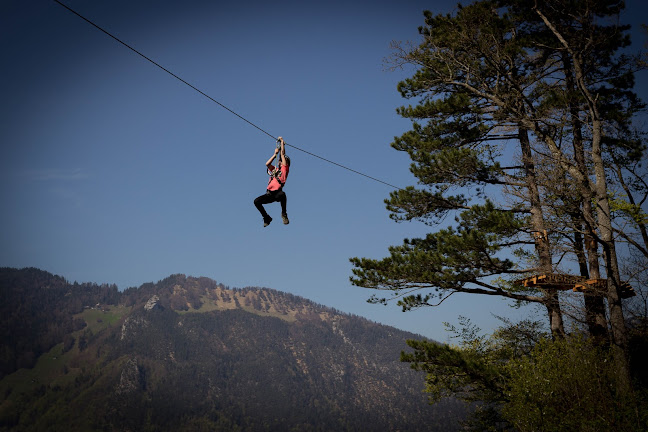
<point>283,151</point>
<point>272,158</point>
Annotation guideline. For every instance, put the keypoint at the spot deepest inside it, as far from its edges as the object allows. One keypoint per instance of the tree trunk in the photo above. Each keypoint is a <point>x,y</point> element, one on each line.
<point>617,321</point>
<point>594,298</point>
<point>543,249</point>
<point>604,225</point>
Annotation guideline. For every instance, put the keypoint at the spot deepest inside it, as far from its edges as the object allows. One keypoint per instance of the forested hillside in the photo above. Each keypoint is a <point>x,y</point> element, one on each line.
<point>190,354</point>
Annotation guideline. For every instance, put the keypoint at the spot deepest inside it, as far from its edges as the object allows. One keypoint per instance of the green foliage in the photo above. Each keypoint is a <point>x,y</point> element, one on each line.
<point>473,371</point>
<point>451,372</point>
<point>449,259</point>
<point>519,378</point>
<point>570,385</point>
<point>633,212</point>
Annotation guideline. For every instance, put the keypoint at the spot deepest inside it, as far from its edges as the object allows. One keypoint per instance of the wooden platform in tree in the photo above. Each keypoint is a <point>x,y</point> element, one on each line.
<point>551,280</point>
<point>573,282</point>
<point>627,291</point>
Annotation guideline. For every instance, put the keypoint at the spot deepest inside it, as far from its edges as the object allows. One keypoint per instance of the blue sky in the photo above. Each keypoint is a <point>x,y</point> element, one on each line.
<point>112,171</point>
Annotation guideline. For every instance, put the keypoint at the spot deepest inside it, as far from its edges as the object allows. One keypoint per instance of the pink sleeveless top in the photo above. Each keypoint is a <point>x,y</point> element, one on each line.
<point>273,183</point>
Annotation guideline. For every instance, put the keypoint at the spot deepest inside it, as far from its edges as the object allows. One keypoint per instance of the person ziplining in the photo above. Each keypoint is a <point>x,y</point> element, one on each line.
<point>275,185</point>
<point>274,190</point>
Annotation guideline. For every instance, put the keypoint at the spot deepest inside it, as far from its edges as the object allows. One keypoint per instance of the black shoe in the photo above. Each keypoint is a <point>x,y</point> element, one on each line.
<point>266,221</point>
<point>285,219</point>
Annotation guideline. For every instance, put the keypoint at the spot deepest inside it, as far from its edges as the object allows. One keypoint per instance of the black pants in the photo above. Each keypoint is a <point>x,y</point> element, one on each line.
<point>270,197</point>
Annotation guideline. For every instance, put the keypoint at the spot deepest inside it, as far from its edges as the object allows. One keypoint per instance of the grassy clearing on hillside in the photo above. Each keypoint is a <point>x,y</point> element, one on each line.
<point>55,367</point>
<point>49,367</point>
<point>99,319</point>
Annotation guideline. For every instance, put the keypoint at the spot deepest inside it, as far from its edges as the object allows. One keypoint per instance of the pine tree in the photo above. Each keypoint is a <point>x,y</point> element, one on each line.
<point>472,67</point>
<point>500,87</point>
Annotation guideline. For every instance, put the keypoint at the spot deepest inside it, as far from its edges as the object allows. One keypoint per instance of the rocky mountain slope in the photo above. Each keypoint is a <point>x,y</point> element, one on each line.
<point>190,354</point>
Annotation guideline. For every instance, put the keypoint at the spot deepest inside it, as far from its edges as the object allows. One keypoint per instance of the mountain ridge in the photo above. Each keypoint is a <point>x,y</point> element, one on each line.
<point>188,353</point>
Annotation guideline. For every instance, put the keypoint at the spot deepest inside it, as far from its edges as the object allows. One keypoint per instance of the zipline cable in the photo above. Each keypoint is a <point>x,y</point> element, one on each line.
<point>214,100</point>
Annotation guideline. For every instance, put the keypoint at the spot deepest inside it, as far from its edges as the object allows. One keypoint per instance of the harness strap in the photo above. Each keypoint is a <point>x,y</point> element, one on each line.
<point>276,174</point>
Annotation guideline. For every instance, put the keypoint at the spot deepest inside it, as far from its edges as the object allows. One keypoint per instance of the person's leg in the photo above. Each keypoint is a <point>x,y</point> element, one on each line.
<point>282,198</point>
<point>266,198</point>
